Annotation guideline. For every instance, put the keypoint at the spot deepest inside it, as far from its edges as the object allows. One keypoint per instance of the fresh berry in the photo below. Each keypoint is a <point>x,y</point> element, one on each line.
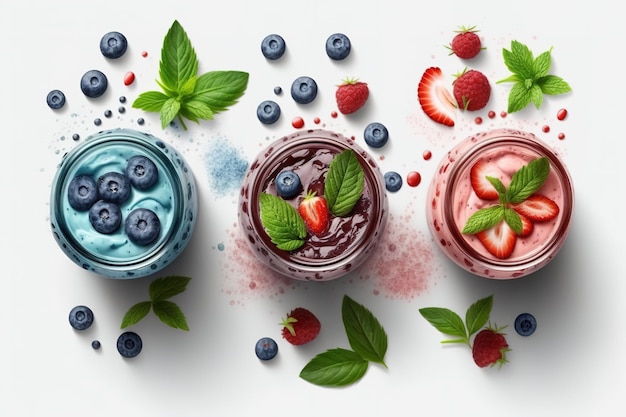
<point>490,347</point>
<point>435,98</point>
<point>96,344</point>
<point>499,240</point>
<point>538,208</point>
<point>93,83</point>
<point>113,45</point>
<point>471,90</point>
<point>82,192</point>
<point>304,90</point>
<point>273,46</point>
<point>278,90</point>
<point>480,184</point>
<point>268,112</point>
<point>300,326</point>
<point>527,226</point>
<point>466,43</point>
<point>105,217</point>
<point>288,184</point>
<point>351,95</point>
<point>141,172</point>
<point>314,210</point>
<point>376,135</point>
<point>55,99</point>
<point>393,181</point>
<point>81,317</point>
<point>142,226</point>
<point>114,187</point>
<point>266,348</point>
<point>129,344</point>
<point>338,46</point>
<point>525,324</point>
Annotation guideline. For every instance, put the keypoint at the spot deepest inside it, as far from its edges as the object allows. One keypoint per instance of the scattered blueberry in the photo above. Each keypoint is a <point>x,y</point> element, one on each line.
<point>266,348</point>
<point>93,83</point>
<point>525,324</point>
<point>121,109</point>
<point>141,172</point>
<point>81,317</point>
<point>278,90</point>
<point>393,181</point>
<point>55,99</point>
<point>97,121</point>
<point>108,113</point>
<point>304,90</point>
<point>114,187</point>
<point>82,192</point>
<point>140,121</point>
<point>122,99</point>
<point>376,135</point>
<point>142,226</point>
<point>288,184</point>
<point>129,344</point>
<point>105,217</point>
<point>76,136</point>
<point>338,46</point>
<point>273,46</point>
<point>268,112</point>
<point>96,344</point>
<point>113,45</point>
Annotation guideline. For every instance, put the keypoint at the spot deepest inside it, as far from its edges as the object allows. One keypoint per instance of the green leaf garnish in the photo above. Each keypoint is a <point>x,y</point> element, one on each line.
<point>282,222</point>
<point>335,367</point>
<point>185,94</point>
<point>530,76</point>
<point>344,183</point>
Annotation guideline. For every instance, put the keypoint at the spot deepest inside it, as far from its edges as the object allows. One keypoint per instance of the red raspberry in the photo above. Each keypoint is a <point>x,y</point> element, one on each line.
<point>466,44</point>
<point>471,90</point>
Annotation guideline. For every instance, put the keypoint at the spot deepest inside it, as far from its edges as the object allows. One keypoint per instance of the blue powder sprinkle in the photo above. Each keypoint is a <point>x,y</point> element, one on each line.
<point>225,166</point>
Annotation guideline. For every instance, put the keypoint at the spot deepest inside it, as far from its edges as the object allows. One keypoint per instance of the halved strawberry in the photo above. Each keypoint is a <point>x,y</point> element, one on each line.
<point>478,177</point>
<point>538,208</point>
<point>314,210</point>
<point>527,226</point>
<point>499,240</point>
<point>435,98</point>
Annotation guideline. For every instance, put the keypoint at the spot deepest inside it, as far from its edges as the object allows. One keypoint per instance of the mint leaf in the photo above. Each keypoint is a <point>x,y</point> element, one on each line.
<point>335,367</point>
<point>365,334</point>
<point>151,101</point>
<point>136,313</point>
<point>170,314</point>
<point>528,179</point>
<point>220,89</point>
<point>447,322</point>
<point>477,314</point>
<point>179,63</point>
<point>483,219</point>
<point>282,222</point>
<point>511,217</point>
<point>167,287</point>
<point>344,183</point>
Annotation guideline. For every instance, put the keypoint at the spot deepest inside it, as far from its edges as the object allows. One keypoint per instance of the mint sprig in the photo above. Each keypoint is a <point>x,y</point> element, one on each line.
<point>185,94</point>
<point>160,290</point>
<point>530,76</point>
<point>344,183</point>
<point>282,222</point>
<point>339,366</point>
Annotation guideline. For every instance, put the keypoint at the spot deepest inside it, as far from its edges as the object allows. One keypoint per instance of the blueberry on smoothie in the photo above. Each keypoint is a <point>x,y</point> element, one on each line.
<point>376,135</point>
<point>338,46</point>
<point>525,324</point>
<point>268,112</point>
<point>266,348</point>
<point>273,46</point>
<point>105,217</point>
<point>129,344</point>
<point>55,99</point>
<point>81,317</point>
<point>142,226</point>
<point>114,187</point>
<point>141,172</point>
<point>304,90</point>
<point>288,184</point>
<point>393,181</point>
<point>113,45</point>
<point>93,83</point>
<point>82,192</point>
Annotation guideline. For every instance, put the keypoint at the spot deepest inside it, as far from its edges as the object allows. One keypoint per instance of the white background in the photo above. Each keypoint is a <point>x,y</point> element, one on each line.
<point>571,366</point>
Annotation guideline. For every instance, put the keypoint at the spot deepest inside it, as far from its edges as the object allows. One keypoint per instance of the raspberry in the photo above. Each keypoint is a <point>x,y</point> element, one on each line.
<point>471,90</point>
<point>466,44</point>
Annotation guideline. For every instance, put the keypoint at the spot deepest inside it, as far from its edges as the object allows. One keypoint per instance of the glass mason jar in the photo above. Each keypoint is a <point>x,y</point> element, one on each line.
<point>451,200</point>
<point>349,239</point>
<point>117,240</point>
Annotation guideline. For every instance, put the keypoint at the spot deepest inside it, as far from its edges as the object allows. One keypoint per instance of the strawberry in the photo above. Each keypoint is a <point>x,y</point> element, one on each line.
<point>466,44</point>
<point>490,347</point>
<point>481,185</point>
<point>471,90</point>
<point>314,210</point>
<point>300,326</point>
<point>351,95</point>
<point>527,226</point>
<point>499,240</point>
<point>435,98</point>
<point>538,208</point>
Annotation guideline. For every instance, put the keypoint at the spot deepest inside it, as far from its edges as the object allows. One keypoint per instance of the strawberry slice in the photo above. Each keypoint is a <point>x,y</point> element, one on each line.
<point>527,226</point>
<point>478,177</point>
<point>314,211</point>
<point>499,240</point>
<point>538,208</point>
<point>435,98</point>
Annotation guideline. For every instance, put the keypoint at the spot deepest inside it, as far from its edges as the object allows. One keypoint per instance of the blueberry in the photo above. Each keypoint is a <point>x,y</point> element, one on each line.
<point>141,172</point>
<point>266,348</point>
<point>273,46</point>
<point>82,192</point>
<point>338,46</point>
<point>393,181</point>
<point>142,226</point>
<point>376,135</point>
<point>81,317</point>
<point>525,324</point>
<point>114,187</point>
<point>288,184</point>
<point>55,99</point>
<point>129,344</point>
<point>93,83</point>
<point>105,217</point>
<point>113,45</point>
<point>268,112</point>
<point>96,344</point>
<point>304,90</point>
<point>278,90</point>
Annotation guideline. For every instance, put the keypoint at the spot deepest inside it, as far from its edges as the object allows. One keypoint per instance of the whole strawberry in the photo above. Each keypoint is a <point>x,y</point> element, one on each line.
<point>490,347</point>
<point>471,90</point>
<point>466,44</point>
<point>314,211</point>
<point>300,326</point>
<point>351,95</point>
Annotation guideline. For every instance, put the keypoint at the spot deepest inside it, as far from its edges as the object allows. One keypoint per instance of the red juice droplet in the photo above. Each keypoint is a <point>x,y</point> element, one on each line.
<point>561,114</point>
<point>297,122</point>
<point>129,78</point>
<point>413,178</point>
<point>144,54</point>
<point>561,136</point>
<point>503,114</point>
<point>316,120</point>
<point>491,114</point>
<point>478,120</point>
<point>427,155</point>
<point>333,114</point>
<point>545,129</point>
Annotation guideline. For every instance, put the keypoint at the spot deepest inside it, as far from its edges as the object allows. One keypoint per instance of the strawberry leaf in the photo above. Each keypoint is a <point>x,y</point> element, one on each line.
<point>282,222</point>
<point>136,313</point>
<point>344,183</point>
<point>335,367</point>
<point>170,314</point>
<point>477,315</point>
<point>447,322</point>
<point>365,334</point>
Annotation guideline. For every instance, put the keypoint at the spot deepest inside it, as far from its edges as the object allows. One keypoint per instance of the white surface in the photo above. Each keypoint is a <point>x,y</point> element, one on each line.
<point>571,366</point>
